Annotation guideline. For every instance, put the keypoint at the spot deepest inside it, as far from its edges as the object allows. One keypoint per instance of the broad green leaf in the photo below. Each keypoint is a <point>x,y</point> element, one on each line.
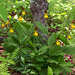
<point>64,40</point>
<point>27,50</point>
<point>38,45</point>
<point>30,42</point>
<point>50,71</point>
<point>39,59</point>
<point>26,25</point>
<point>32,55</point>
<point>18,29</point>
<point>3,13</point>
<point>18,12</point>
<point>59,53</point>
<point>51,39</point>
<point>52,61</point>
<point>23,60</point>
<point>68,69</point>
<point>30,24</point>
<point>12,44</point>
<point>69,49</point>
<point>43,72</point>
<point>42,28</point>
<point>39,39</point>
<point>42,50</point>
<point>19,4</point>
<point>33,72</point>
<point>54,50</point>
<point>22,65</point>
<point>28,70</point>
<point>38,67</point>
<point>64,72</point>
<point>29,64</point>
<point>30,31</point>
<point>1,1</point>
<point>65,64</point>
<point>43,37</point>
<point>23,72</point>
<point>57,71</point>
<point>9,48</point>
<point>19,68</point>
<point>23,40</point>
<point>13,0</point>
<point>15,40</point>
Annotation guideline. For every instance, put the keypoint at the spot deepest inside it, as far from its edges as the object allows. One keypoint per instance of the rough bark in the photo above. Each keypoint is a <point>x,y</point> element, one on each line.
<point>37,8</point>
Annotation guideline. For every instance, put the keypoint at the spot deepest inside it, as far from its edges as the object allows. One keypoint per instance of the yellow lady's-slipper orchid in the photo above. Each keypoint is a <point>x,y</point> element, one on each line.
<point>35,33</point>
<point>11,30</point>
<point>46,16</point>
<point>20,18</point>
<point>72,26</point>
<point>7,23</point>
<point>3,25</point>
<point>69,37</point>
<point>23,12</point>
<point>57,42</point>
<point>63,13</point>
<point>15,1</point>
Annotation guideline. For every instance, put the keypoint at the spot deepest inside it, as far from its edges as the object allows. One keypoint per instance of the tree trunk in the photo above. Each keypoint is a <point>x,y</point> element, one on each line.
<point>37,8</point>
